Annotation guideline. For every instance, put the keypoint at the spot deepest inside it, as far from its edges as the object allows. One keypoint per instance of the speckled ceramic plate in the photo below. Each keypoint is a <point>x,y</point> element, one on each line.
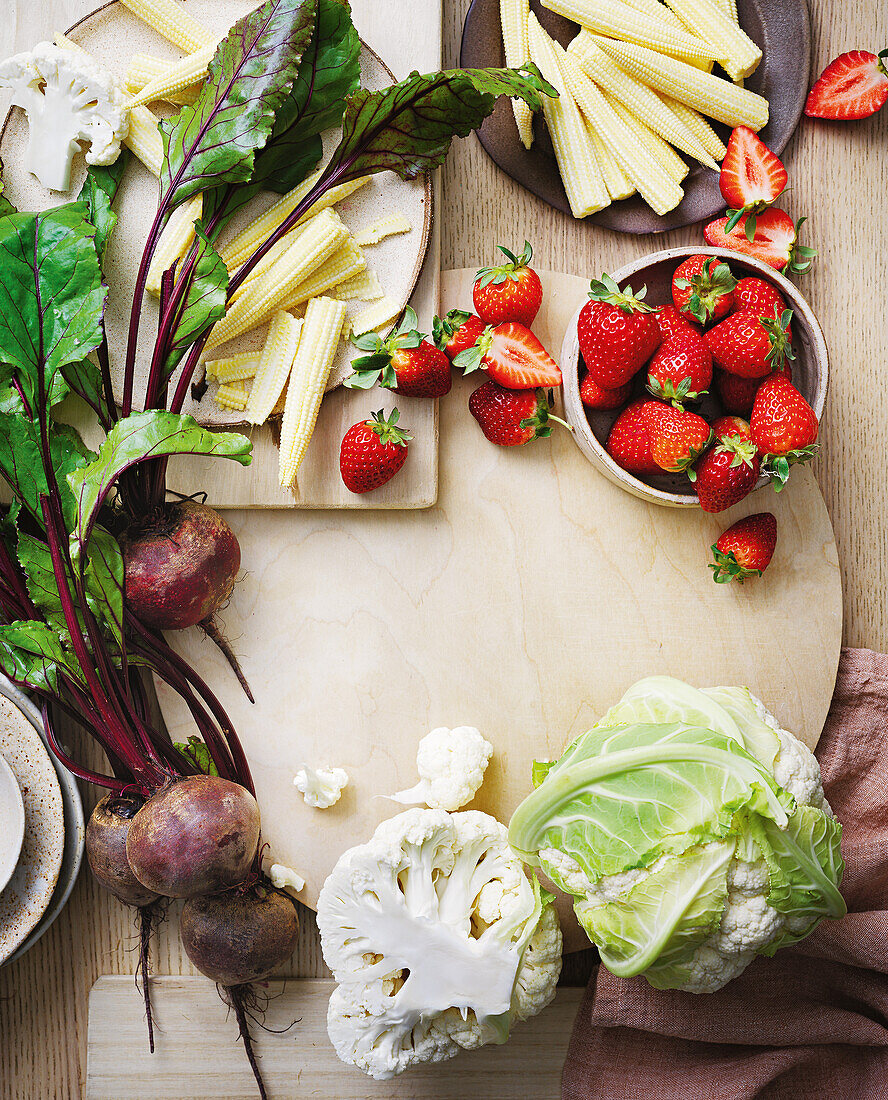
<point>29,891</point>
<point>781,27</point>
<point>113,34</point>
<point>12,822</point>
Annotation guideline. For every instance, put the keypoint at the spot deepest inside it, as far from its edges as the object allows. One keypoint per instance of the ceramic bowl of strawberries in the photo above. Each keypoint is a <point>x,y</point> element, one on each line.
<point>693,376</point>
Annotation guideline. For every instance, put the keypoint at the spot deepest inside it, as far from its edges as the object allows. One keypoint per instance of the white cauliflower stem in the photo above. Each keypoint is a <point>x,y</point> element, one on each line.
<point>68,99</point>
<point>321,787</point>
<point>438,941</point>
<point>451,765</point>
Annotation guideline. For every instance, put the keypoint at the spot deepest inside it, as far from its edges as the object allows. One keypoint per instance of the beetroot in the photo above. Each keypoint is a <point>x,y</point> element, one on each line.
<point>106,834</point>
<point>180,567</point>
<point>241,936</point>
<point>194,836</point>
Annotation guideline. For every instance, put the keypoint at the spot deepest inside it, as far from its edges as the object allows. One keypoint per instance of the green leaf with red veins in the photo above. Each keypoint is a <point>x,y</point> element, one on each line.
<point>33,653</point>
<point>98,192</point>
<point>214,141</point>
<point>22,466</point>
<point>204,300</point>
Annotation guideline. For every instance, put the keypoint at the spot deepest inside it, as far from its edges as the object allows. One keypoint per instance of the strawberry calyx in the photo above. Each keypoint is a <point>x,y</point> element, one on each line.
<point>713,282</point>
<point>444,328</point>
<point>377,366</point>
<point>543,418</point>
<point>471,359</point>
<point>743,450</point>
<point>781,346</point>
<point>674,393</point>
<point>777,466</point>
<point>801,257</point>
<point>606,290</point>
<point>510,272</point>
<point>387,429</point>
<point>726,568</point>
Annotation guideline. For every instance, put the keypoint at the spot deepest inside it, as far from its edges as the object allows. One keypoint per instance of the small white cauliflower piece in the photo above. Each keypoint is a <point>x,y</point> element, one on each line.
<point>321,787</point>
<point>451,765</point>
<point>68,99</point>
<point>795,767</point>
<point>438,940</point>
<point>285,878</point>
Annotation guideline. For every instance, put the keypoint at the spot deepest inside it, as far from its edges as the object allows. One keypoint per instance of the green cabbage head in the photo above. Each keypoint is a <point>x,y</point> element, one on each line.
<point>691,831</point>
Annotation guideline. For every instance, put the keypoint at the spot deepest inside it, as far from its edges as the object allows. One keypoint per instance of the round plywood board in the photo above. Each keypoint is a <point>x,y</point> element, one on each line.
<point>524,602</point>
<point>396,260</point>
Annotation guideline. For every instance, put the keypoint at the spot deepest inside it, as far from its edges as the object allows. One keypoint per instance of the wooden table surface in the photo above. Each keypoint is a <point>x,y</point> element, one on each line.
<point>838,176</point>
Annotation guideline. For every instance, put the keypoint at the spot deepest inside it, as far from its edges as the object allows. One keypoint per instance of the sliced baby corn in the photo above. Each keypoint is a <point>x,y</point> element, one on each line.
<point>231,395</point>
<point>144,68</point>
<point>234,368</point>
<point>181,75</point>
<point>377,231</point>
<point>513,18</point>
<point>375,317</point>
<point>612,17</point>
<point>639,99</point>
<point>175,240</point>
<point>271,257</point>
<point>658,189</point>
<point>365,286</point>
<point>712,96</point>
<point>574,151</point>
<point>171,21</point>
<point>736,51</point>
<point>242,246</point>
<point>698,125</point>
<point>660,150</point>
<point>322,236</point>
<point>346,262</point>
<point>321,333</point>
<point>616,181</point>
<point>277,357</point>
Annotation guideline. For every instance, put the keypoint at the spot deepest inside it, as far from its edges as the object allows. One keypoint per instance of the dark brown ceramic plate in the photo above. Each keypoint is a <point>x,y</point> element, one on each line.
<point>782,29</point>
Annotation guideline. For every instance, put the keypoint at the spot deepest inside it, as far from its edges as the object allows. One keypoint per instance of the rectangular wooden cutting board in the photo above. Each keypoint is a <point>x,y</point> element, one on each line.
<point>198,1054</point>
<point>407,36</point>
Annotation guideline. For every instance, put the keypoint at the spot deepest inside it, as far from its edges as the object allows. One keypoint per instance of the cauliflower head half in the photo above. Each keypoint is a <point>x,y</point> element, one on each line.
<point>438,939</point>
<point>68,98</point>
<point>691,831</point>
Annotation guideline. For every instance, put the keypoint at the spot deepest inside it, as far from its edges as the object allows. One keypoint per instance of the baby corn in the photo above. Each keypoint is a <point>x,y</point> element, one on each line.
<point>181,75</point>
<point>612,17</point>
<point>375,317</point>
<point>365,286</point>
<point>321,333</point>
<point>698,125</point>
<point>712,96</point>
<point>386,227</point>
<point>615,179</point>
<point>231,395</point>
<point>144,68</point>
<point>175,240</point>
<point>574,151</point>
<point>345,263</point>
<point>737,52</point>
<point>660,150</point>
<point>171,21</point>
<point>639,99</point>
<point>513,18</point>
<point>273,370</point>
<point>234,368</point>
<point>322,236</point>
<point>658,189</point>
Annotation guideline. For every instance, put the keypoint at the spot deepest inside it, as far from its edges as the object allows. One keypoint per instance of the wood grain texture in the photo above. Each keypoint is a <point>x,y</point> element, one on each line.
<point>839,173</point>
<point>297,1059</point>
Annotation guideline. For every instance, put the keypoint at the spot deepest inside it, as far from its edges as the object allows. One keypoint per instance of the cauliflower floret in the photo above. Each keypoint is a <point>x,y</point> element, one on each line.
<point>795,768</point>
<point>451,765</point>
<point>438,941</point>
<point>285,878</point>
<point>68,99</point>
<point>320,787</point>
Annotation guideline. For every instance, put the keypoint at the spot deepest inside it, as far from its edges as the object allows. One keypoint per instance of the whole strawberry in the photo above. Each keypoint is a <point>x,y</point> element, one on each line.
<point>629,441</point>
<point>617,333</point>
<point>753,295</point>
<point>731,425</point>
<point>751,346</point>
<point>784,427</point>
<point>726,473</point>
<point>404,362</point>
<point>511,418</point>
<point>678,437</point>
<point>671,322</point>
<point>745,549</point>
<point>681,370</point>
<point>737,394</point>
<point>456,332</point>
<point>372,451</point>
<point>510,292</point>
<point>594,397</point>
<point>703,287</point>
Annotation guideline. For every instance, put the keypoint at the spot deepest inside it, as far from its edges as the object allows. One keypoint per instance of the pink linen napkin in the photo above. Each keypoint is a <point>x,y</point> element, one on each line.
<point>810,1023</point>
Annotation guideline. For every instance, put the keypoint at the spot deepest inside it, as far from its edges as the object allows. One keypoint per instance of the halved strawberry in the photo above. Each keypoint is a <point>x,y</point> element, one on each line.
<point>512,356</point>
<point>752,177</point>
<point>774,240</point>
<point>456,332</point>
<point>855,85</point>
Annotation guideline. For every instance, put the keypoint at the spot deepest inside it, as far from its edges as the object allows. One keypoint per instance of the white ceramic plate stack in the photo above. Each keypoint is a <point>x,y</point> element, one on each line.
<point>45,859</point>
